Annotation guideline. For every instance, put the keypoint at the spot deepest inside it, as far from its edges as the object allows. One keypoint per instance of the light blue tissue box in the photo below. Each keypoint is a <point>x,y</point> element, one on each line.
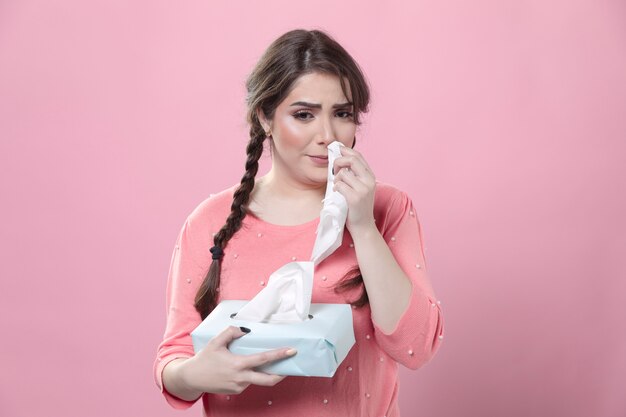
<point>322,342</point>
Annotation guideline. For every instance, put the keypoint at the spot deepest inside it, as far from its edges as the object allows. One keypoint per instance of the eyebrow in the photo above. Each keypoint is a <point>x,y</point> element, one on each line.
<point>319,106</point>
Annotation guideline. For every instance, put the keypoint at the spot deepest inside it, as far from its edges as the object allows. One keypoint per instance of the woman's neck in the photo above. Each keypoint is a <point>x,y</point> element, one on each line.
<point>282,203</point>
<point>283,188</point>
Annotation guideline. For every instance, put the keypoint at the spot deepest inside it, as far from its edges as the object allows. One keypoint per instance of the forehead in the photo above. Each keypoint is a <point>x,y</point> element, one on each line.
<point>319,88</point>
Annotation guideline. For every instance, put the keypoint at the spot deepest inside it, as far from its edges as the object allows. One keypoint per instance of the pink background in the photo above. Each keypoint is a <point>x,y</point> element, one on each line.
<point>504,120</point>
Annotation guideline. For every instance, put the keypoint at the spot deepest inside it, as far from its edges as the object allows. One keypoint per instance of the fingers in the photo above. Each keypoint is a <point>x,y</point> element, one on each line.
<point>261,378</point>
<point>348,177</point>
<point>356,164</point>
<point>358,155</point>
<point>239,369</point>
<point>258,359</point>
<point>227,335</point>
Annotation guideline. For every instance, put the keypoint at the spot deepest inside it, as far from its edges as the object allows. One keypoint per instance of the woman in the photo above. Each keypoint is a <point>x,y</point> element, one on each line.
<point>304,93</point>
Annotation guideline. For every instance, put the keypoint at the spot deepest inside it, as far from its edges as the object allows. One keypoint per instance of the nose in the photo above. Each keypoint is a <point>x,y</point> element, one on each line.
<point>326,134</point>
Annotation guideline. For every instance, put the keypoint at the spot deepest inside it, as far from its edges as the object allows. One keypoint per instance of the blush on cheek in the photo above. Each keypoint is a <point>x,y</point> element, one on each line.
<point>293,134</point>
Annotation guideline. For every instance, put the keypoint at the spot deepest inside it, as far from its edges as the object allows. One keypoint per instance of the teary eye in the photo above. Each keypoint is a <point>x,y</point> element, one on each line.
<point>346,114</point>
<point>302,115</point>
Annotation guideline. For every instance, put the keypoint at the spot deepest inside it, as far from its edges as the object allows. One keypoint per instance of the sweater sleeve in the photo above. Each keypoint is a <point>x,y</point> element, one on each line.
<point>182,317</point>
<point>419,331</point>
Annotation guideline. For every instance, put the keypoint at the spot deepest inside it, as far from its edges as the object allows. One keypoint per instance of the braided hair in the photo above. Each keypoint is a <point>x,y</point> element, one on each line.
<point>292,55</point>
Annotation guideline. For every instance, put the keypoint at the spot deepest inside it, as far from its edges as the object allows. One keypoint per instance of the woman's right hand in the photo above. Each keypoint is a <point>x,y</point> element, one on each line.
<point>216,370</point>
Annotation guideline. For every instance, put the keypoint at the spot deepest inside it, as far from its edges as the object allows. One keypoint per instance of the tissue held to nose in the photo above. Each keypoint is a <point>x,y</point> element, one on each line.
<point>287,297</point>
<point>284,305</point>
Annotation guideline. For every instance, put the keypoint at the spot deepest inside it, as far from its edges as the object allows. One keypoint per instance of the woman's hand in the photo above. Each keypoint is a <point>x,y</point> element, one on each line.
<point>216,370</point>
<point>355,180</point>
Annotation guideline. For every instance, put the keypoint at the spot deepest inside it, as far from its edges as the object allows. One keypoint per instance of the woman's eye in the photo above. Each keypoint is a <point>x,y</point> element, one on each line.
<point>345,114</point>
<point>302,115</point>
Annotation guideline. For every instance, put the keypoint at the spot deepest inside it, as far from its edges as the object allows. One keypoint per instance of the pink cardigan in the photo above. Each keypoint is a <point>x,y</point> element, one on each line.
<point>366,382</point>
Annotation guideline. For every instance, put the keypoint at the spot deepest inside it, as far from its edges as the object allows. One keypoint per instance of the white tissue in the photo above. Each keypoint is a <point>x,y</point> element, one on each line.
<point>287,296</point>
<point>286,299</point>
<point>333,214</point>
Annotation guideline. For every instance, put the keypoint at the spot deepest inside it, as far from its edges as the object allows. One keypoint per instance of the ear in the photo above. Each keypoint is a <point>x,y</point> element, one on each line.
<point>262,119</point>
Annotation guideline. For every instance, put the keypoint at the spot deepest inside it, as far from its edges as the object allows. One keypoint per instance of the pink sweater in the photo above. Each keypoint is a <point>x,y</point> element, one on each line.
<point>366,382</point>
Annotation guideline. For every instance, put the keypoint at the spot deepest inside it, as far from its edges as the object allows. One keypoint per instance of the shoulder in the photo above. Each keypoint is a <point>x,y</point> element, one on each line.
<point>213,211</point>
<point>387,195</point>
<point>390,205</point>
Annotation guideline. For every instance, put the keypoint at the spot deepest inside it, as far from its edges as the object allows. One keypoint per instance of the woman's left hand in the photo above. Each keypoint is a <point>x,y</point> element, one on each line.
<point>355,180</point>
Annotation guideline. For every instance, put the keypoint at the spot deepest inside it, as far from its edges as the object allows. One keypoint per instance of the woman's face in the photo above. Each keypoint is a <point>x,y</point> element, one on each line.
<point>314,114</point>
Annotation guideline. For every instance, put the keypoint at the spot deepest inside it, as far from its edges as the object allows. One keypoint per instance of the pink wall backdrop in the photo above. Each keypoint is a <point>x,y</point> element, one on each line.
<point>504,120</point>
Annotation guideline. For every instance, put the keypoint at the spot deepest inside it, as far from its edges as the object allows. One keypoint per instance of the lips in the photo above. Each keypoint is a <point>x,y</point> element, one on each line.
<point>319,160</point>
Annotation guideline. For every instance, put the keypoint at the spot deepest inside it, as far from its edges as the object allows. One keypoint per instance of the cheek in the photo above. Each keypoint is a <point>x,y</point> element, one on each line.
<point>293,133</point>
<point>347,131</point>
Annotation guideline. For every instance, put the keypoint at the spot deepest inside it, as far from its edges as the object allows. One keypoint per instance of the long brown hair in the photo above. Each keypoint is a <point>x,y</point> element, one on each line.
<point>295,53</point>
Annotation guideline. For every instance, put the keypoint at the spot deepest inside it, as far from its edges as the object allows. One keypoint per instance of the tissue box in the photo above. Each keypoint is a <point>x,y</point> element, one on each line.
<point>322,341</point>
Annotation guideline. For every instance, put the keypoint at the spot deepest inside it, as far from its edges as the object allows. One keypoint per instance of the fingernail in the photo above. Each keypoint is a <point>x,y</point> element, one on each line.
<point>291,352</point>
<point>245,329</point>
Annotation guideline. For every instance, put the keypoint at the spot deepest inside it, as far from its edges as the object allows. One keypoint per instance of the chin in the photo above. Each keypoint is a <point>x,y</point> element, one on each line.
<point>320,179</point>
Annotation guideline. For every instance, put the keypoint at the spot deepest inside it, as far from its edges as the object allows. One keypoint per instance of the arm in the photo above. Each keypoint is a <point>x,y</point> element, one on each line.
<point>174,383</point>
<point>214,369</point>
<point>406,316</point>
<point>181,317</point>
<point>182,375</point>
<point>388,287</point>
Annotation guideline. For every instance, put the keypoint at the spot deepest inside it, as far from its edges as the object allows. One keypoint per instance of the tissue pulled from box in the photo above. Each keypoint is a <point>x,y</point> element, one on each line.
<point>333,215</point>
<point>285,299</point>
<point>287,296</point>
